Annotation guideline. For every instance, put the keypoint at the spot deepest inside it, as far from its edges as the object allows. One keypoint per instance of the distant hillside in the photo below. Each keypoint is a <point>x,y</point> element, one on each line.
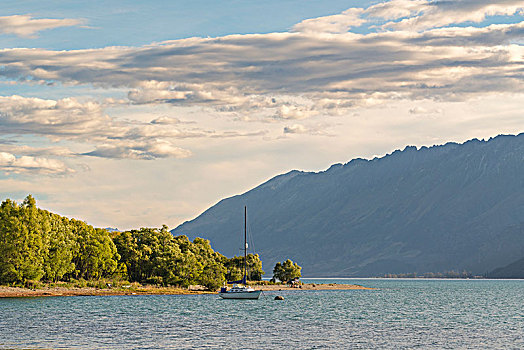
<point>513,270</point>
<point>449,207</point>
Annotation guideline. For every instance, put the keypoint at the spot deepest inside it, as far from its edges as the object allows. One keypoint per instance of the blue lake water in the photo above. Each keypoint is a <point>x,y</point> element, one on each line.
<point>427,314</point>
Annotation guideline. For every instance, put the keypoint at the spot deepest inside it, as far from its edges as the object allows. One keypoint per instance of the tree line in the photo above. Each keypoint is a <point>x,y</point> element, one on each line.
<point>38,245</point>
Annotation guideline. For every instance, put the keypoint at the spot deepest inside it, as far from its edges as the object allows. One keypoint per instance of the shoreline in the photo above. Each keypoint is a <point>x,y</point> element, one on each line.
<point>310,286</point>
<point>17,292</point>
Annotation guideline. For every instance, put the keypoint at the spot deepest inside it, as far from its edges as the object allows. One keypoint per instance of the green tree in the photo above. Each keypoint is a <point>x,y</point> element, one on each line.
<point>213,275</point>
<point>166,255</point>
<point>150,255</point>
<point>130,255</point>
<point>61,245</point>
<point>155,256</point>
<point>213,271</point>
<point>96,255</point>
<point>286,271</point>
<point>23,244</point>
<point>235,266</point>
<point>36,244</point>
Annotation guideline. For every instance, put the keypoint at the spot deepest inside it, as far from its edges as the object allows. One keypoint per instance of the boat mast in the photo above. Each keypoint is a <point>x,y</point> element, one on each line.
<point>245,244</point>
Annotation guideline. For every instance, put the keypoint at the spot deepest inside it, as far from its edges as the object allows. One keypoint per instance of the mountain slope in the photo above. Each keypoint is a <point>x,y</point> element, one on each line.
<point>455,206</point>
<point>513,270</point>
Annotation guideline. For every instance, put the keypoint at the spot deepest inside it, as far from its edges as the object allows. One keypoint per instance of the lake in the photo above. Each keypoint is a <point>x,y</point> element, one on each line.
<point>400,313</point>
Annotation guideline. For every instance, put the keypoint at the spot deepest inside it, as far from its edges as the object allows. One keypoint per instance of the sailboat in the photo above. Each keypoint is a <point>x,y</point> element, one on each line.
<point>239,289</point>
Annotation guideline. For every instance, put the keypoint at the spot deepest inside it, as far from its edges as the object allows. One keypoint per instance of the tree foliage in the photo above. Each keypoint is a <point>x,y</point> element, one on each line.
<point>235,266</point>
<point>286,271</point>
<point>38,245</point>
<point>96,255</point>
<point>155,256</point>
<point>22,237</point>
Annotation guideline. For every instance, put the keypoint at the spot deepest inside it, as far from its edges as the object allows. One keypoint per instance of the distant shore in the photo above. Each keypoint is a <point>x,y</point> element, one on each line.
<point>16,292</point>
<point>310,286</point>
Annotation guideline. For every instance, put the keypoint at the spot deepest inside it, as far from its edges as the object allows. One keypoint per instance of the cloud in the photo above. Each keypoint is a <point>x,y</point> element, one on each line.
<point>155,91</point>
<point>422,110</point>
<point>148,150</point>
<point>295,129</point>
<point>9,163</point>
<point>85,123</point>
<point>25,150</point>
<point>266,72</point>
<point>317,69</point>
<point>66,118</point>
<point>395,9</point>
<point>318,130</point>
<point>420,15</point>
<point>25,26</point>
<point>165,120</point>
<point>339,23</point>
<point>294,112</point>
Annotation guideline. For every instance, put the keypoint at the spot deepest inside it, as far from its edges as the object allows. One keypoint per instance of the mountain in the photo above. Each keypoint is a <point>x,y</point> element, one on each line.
<point>442,208</point>
<point>513,270</point>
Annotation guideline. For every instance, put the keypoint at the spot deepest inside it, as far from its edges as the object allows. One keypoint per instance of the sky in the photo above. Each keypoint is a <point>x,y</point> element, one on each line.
<point>133,114</point>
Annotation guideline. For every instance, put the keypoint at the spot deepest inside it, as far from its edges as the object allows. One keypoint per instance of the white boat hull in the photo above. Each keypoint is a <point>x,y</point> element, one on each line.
<point>255,294</point>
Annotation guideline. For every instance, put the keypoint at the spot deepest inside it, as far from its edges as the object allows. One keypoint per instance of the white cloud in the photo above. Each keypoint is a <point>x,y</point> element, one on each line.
<point>318,129</point>
<point>26,26</point>
<point>246,73</point>
<point>155,91</point>
<point>64,118</point>
<point>86,125</point>
<point>165,120</point>
<point>295,129</point>
<point>422,110</point>
<point>294,112</point>
<point>9,163</point>
<point>150,149</point>
<point>25,150</point>
<point>85,122</point>
<point>395,9</point>
<point>423,15</point>
<point>339,23</point>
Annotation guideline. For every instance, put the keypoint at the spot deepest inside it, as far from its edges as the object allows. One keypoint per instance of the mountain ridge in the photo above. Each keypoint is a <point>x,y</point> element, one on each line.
<point>427,209</point>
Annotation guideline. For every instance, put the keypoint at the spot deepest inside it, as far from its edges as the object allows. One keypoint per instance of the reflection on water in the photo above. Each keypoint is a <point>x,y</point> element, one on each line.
<point>399,314</point>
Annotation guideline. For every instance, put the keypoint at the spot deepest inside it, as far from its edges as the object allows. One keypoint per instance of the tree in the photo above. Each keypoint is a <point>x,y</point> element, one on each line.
<point>254,267</point>
<point>22,241</point>
<point>212,275</point>
<point>96,255</point>
<point>61,242</point>
<point>235,266</point>
<point>213,271</point>
<point>150,255</point>
<point>286,271</point>
<point>155,256</point>
<point>36,244</point>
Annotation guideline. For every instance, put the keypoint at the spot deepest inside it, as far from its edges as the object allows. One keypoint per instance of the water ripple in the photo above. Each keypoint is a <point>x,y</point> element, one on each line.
<point>428,314</point>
